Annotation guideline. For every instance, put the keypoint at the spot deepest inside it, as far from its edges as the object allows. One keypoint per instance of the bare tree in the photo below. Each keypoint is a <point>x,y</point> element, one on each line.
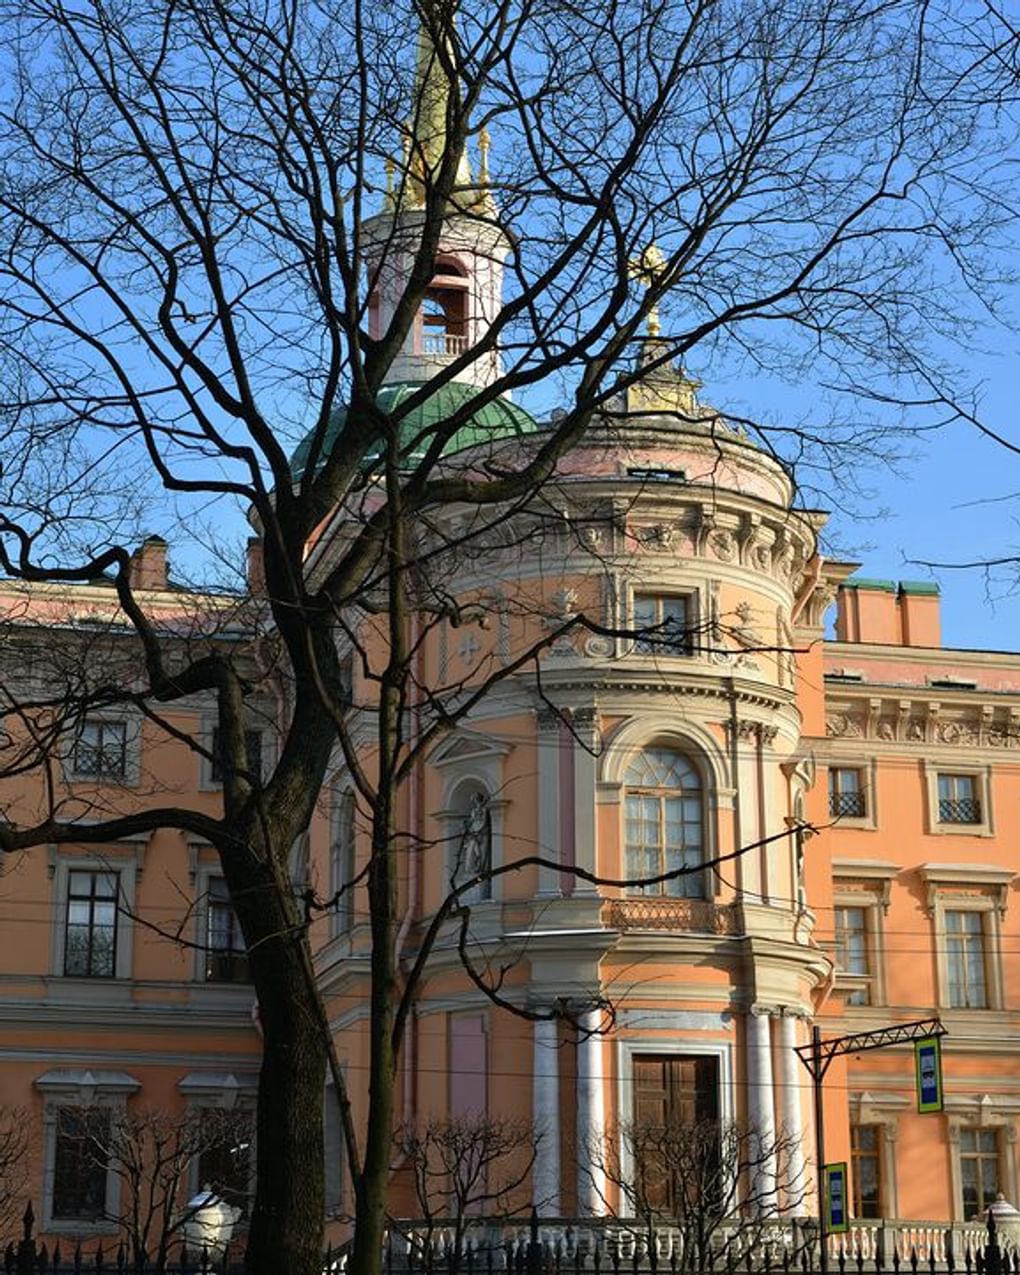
<point>189,250</point>
<point>153,1153</point>
<point>469,1171</point>
<point>720,1189</point>
<point>13,1163</point>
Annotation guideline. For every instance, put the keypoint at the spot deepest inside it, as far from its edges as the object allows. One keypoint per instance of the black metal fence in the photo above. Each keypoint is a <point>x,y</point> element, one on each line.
<point>528,1250</point>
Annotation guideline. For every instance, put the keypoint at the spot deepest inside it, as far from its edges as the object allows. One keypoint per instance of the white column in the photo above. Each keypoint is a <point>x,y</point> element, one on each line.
<point>761,1113</point>
<point>545,1107</point>
<point>791,1079</point>
<point>591,1172</point>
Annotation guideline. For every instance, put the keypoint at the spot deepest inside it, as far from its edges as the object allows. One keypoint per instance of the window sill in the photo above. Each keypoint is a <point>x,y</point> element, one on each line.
<point>961,830</point>
<point>80,1226</point>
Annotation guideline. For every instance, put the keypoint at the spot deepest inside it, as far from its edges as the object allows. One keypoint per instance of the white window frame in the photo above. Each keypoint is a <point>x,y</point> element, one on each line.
<point>883,1110</point>
<point>74,1087</point>
<point>222,1090</point>
<point>343,859</point>
<point>865,883</point>
<point>982,776</point>
<point>132,750</point>
<point>969,887</point>
<point>208,725</point>
<point>202,951</point>
<point>709,879</point>
<point>867,768</point>
<point>127,869</point>
<point>689,597</point>
<point>985,1111</point>
<point>335,1176</point>
<point>672,1047</point>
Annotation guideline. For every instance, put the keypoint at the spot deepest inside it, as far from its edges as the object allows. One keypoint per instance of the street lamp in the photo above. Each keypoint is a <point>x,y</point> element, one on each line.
<point>210,1223</point>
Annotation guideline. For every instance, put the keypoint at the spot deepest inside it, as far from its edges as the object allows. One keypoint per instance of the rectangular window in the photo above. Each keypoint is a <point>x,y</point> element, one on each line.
<point>979,1169</point>
<point>958,799</point>
<point>80,1164</point>
<point>333,1146</point>
<point>846,793</point>
<point>100,749</point>
<point>342,864</point>
<point>965,960</point>
<point>853,956</point>
<point>663,834</point>
<point>90,932</point>
<point>664,624</point>
<point>866,1169</point>
<point>226,957</point>
<point>252,748</point>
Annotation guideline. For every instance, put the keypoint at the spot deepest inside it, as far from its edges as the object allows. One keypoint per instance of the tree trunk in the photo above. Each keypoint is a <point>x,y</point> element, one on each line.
<point>285,1234</point>
<point>287,1219</point>
<point>369,1235</point>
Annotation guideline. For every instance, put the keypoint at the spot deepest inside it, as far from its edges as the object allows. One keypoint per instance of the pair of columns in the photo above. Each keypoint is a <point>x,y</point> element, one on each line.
<point>591,1115</point>
<point>774,1102</point>
<point>773,1108</point>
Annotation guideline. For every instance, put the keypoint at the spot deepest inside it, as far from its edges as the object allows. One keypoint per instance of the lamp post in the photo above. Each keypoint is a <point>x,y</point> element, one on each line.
<point>816,1057</point>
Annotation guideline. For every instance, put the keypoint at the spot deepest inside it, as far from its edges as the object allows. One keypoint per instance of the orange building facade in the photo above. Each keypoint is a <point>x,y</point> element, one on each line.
<point>730,828</point>
<point>846,811</point>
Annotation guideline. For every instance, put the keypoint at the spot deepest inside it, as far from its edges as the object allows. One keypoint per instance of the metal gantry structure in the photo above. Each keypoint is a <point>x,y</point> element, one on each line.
<point>817,1057</point>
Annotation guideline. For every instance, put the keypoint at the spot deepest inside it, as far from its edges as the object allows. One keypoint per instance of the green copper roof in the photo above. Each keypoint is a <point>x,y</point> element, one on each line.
<point>495,420</point>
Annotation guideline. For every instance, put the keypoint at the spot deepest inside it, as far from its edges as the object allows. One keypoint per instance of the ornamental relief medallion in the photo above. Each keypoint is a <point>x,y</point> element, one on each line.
<point>914,723</point>
<point>843,726</point>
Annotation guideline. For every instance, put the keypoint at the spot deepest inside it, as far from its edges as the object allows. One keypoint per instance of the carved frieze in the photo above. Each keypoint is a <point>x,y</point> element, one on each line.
<point>925,722</point>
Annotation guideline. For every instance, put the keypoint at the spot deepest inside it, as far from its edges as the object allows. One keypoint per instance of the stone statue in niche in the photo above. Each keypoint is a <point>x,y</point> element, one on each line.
<point>474,855</point>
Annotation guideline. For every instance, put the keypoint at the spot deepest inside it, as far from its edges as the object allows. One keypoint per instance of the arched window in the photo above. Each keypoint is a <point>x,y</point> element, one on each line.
<point>664,817</point>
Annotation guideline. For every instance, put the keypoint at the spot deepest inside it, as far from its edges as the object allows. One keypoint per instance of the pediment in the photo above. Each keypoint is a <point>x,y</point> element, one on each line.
<point>467,746</point>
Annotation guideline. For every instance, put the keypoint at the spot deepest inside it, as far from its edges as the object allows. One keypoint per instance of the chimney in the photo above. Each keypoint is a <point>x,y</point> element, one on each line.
<point>918,603</point>
<point>256,567</point>
<point>866,611</point>
<point>148,564</point>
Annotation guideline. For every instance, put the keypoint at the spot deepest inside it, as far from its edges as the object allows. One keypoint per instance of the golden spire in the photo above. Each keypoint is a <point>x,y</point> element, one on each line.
<point>646,269</point>
<point>427,123</point>
<point>484,143</point>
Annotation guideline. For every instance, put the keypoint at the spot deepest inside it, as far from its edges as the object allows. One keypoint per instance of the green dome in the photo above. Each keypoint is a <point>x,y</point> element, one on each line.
<point>495,420</point>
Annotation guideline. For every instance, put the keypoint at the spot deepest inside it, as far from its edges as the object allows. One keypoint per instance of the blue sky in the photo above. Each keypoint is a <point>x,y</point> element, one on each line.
<point>958,500</point>
<point>953,497</point>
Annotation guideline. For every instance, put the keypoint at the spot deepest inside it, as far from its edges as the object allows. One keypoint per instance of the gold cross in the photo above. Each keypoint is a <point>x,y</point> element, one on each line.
<point>646,269</point>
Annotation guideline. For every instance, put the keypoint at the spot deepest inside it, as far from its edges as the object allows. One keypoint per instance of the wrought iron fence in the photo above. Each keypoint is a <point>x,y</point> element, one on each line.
<point>592,1247</point>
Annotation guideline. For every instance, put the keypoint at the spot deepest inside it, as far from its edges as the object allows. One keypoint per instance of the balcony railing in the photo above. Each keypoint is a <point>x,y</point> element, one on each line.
<point>849,805</point>
<point>674,916</point>
<point>959,810</point>
<point>613,1246</point>
<point>443,343</point>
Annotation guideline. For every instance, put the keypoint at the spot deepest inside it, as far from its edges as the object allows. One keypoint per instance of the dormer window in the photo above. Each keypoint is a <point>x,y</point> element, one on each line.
<point>444,310</point>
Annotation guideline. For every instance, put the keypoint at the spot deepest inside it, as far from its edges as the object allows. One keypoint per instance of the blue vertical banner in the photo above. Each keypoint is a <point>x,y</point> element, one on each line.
<point>928,1069</point>
<point>837,1211</point>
